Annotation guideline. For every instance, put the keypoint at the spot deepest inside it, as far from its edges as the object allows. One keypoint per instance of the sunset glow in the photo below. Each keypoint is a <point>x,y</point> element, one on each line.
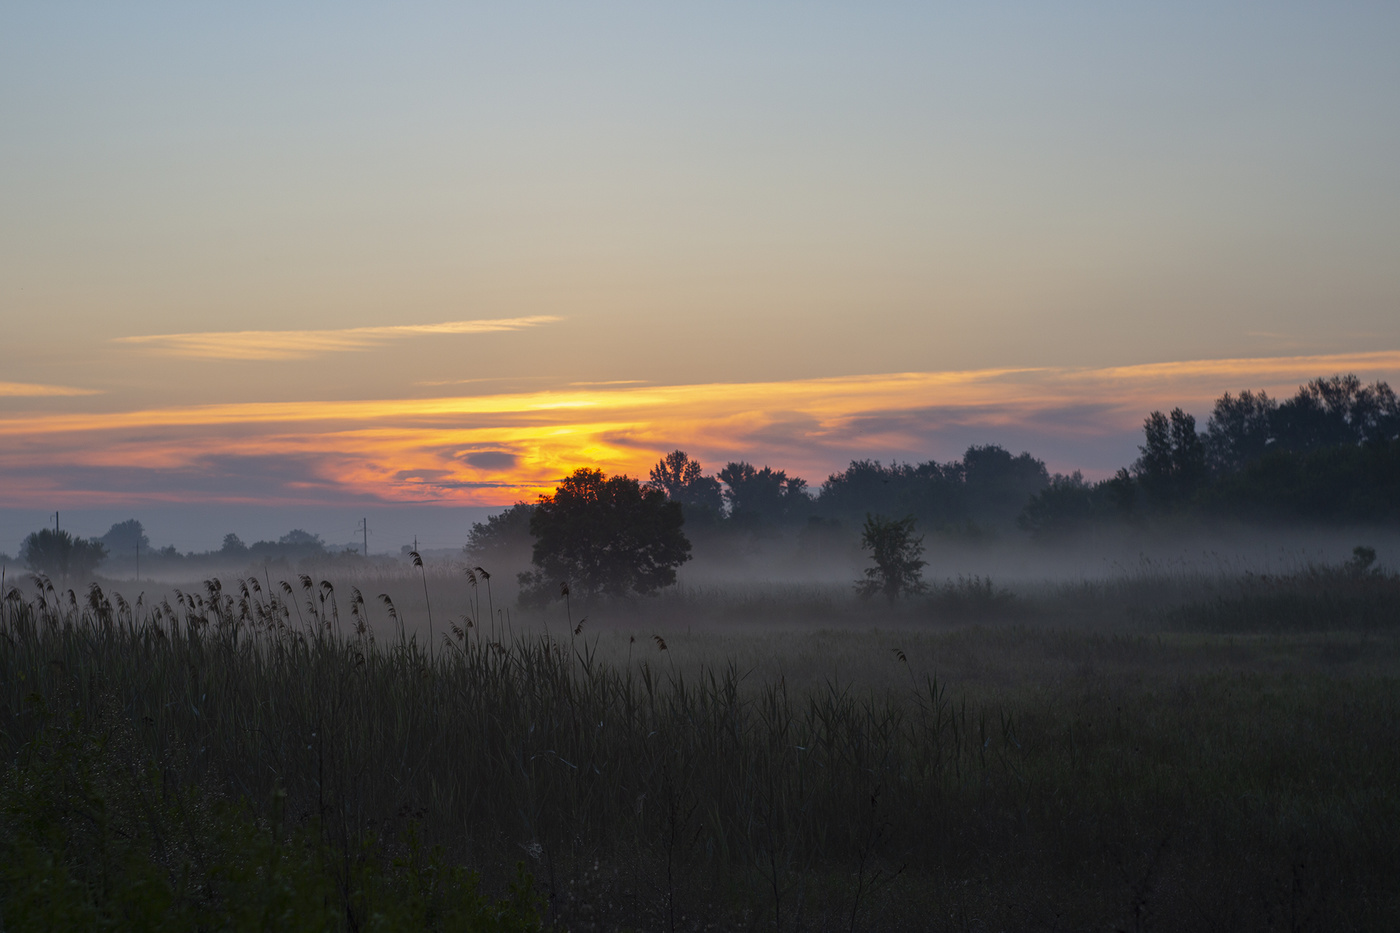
<point>496,449</point>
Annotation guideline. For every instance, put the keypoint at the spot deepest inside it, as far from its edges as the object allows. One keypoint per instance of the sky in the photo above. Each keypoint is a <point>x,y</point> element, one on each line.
<point>266,265</point>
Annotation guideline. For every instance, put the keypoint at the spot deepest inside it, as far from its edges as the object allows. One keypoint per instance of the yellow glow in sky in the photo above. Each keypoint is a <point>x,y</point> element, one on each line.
<point>495,449</point>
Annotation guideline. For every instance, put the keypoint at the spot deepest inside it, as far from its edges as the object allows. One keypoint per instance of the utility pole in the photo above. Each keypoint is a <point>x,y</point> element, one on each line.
<point>364,526</point>
<point>55,523</point>
<point>138,558</point>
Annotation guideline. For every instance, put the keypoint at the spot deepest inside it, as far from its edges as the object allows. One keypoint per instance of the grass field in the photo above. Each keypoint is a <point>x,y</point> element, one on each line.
<point>1156,751</point>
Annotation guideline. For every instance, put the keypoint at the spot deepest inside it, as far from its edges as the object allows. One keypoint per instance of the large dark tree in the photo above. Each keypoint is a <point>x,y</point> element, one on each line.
<point>606,535</point>
<point>59,554</point>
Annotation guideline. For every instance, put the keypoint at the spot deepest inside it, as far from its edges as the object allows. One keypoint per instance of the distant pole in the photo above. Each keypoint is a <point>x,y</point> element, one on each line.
<point>55,523</point>
<point>138,558</point>
<point>364,525</point>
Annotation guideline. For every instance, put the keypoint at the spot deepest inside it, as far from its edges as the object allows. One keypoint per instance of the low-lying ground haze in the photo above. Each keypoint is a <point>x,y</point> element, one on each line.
<point>1188,730</point>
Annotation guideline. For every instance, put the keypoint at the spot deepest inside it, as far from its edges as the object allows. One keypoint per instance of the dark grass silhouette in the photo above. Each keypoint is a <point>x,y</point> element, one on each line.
<point>670,790</point>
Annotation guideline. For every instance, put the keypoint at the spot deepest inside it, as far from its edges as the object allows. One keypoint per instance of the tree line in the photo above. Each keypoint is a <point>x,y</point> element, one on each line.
<point>62,555</point>
<point>1330,453</point>
<point>981,493</point>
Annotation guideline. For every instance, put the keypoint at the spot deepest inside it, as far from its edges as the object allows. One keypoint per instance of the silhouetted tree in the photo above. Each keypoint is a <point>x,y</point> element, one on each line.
<point>605,535</point>
<point>895,552</point>
<point>123,539</point>
<point>302,541</point>
<point>683,481</point>
<point>1348,482</point>
<point>1239,431</point>
<point>59,554</point>
<point>998,485</point>
<point>931,492</point>
<point>296,544</point>
<point>1334,412</point>
<point>1173,462</point>
<point>503,539</point>
<point>763,497</point>
<point>233,546</point>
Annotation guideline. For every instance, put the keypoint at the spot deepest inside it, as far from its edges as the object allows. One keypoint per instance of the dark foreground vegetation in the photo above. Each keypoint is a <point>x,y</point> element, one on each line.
<point>1174,758</point>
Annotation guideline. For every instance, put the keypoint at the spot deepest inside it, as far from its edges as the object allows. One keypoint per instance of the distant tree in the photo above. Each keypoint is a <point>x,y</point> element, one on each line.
<point>59,554</point>
<point>1335,412</point>
<point>233,546</point>
<point>933,493</point>
<point>605,535</point>
<point>1345,483</point>
<point>1070,504</point>
<point>1173,462</point>
<point>1239,431</point>
<point>296,544</point>
<point>503,539</point>
<point>895,551</point>
<point>998,485</point>
<point>124,538</point>
<point>683,481</point>
<point>1066,505</point>
<point>766,496</point>
<point>302,540</point>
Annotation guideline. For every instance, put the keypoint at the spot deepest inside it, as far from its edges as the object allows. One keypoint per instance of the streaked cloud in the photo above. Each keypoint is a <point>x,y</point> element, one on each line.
<point>303,344</point>
<point>35,390</point>
<point>495,449</point>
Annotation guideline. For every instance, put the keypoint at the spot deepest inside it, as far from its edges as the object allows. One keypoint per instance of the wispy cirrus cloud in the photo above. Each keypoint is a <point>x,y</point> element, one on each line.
<point>496,448</point>
<point>302,344</point>
<point>36,390</point>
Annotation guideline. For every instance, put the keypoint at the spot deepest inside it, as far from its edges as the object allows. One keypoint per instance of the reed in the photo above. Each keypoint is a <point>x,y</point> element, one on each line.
<point>691,792</point>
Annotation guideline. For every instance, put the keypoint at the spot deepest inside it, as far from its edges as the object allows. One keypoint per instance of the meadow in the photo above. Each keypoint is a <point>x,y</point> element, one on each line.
<point>1159,749</point>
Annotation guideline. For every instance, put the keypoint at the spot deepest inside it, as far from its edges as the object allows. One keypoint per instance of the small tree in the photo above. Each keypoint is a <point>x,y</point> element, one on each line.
<point>59,554</point>
<point>896,554</point>
<point>605,535</point>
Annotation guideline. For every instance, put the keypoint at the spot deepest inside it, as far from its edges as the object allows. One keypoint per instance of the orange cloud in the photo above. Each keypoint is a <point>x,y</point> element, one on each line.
<point>494,449</point>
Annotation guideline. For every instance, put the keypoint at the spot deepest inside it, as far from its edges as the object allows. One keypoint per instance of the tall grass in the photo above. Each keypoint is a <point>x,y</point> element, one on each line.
<point>653,794</point>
